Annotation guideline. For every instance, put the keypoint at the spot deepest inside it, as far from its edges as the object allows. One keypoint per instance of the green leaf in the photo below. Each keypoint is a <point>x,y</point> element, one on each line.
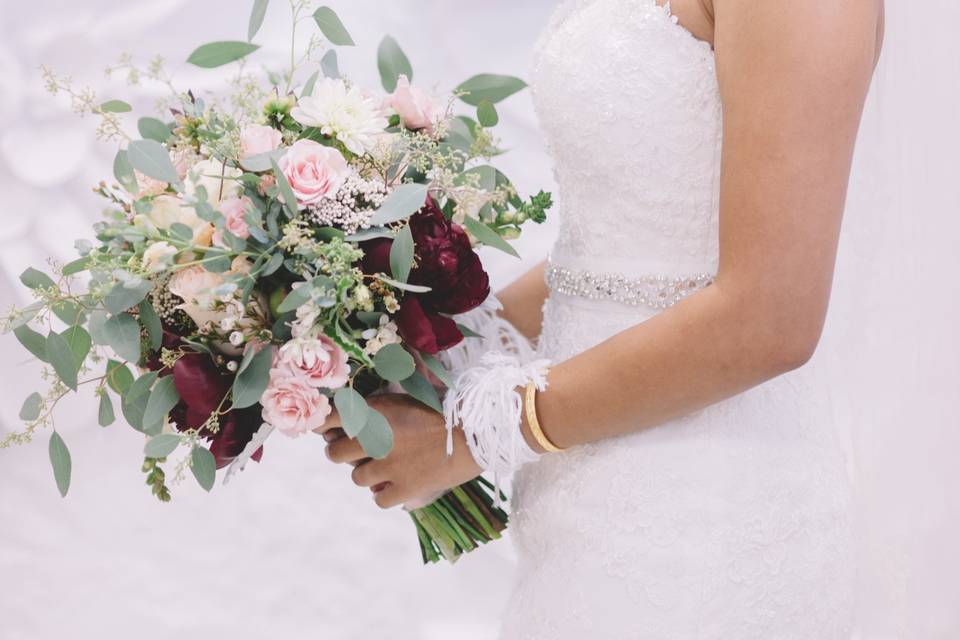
<point>80,343</point>
<point>289,199</point>
<point>162,445</point>
<point>25,315</point>
<point>330,66</point>
<point>249,385</point>
<point>151,322</point>
<point>393,363</point>
<point>119,377</point>
<point>151,158</point>
<point>467,331</point>
<point>401,255</point>
<point>30,410</point>
<point>404,286</point>
<point>353,410</point>
<point>421,389</point>
<point>133,405</point>
<point>121,298</point>
<point>163,398</point>
<point>261,162</point>
<point>489,87</point>
<point>106,416</point>
<point>153,129</point>
<point>392,62</point>
<point>295,299</point>
<point>311,82</point>
<point>32,341</point>
<point>377,436</point>
<point>405,201</point>
<point>204,467</point>
<point>436,368</point>
<point>256,17</point>
<point>77,266</point>
<point>487,114</point>
<point>217,54</point>
<point>115,106</point>
<point>60,459</point>
<point>331,27</point>
<point>36,279</point>
<point>488,236</point>
<point>369,234</point>
<point>69,312</point>
<point>60,355</point>
<point>123,172</point>
<point>123,334</point>
<point>97,327</point>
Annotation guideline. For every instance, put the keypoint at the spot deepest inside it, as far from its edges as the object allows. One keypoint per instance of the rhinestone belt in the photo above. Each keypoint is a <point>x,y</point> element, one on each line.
<point>654,291</point>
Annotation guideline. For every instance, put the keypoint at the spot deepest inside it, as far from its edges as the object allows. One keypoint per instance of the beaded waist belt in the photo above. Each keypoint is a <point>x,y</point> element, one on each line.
<point>654,291</point>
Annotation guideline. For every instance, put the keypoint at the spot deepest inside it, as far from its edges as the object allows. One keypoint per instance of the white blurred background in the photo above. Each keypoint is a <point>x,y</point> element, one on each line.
<point>289,549</point>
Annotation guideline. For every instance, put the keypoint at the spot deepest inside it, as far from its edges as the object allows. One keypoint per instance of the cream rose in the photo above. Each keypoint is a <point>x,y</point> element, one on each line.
<point>257,138</point>
<point>195,285</point>
<point>416,108</point>
<point>159,257</point>
<point>292,405</point>
<point>314,171</point>
<point>320,362</point>
<point>218,179</point>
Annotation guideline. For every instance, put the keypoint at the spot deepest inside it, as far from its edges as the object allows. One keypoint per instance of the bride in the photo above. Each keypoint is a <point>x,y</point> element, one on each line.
<point>678,474</point>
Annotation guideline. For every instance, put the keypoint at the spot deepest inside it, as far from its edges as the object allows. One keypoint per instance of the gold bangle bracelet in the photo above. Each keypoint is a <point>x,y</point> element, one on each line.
<point>530,406</point>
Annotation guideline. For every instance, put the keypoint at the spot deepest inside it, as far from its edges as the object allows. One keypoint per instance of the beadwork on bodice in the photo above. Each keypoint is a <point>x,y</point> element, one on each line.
<point>629,105</point>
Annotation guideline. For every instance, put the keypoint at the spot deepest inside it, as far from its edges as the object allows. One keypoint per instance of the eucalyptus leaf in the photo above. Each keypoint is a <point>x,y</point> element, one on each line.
<point>60,460</point>
<point>289,199</point>
<point>332,28</point>
<point>330,65</point>
<point>296,298</point>
<point>30,410</point>
<point>153,129</point>
<point>97,327</point>
<point>106,416</point>
<point>369,234</point>
<point>123,171</point>
<point>32,341</point>
<point>405,201</point>
<point>25,315</point>
<point>121,298</point>
<point>119,377</point>
<point>249,385</point>
<point>79,341</point>
<point>69,312</point>
<point>401,255</point>
<point>123,335</point>
<point>274,263</point>
<point>421,389</point>
<point>311,82</point>
<point>115,106</point>
<point>393,363</point>
<point>163,398</point>
<point>353,410</point>
<point>36,279</point>
<point>61,357</point>
<point>162,445</point>
<point>217,54</point>
<point>467,331</point>
<point>76,266</point>
<point>392,62</point>
<point>436,368</point>
<point>487,114</point>
<point>489,87</point>
<point>151,158</point>
<point>403,286</point>
<point>133,405</point>
<point>376,438</point>
<point>262,161</point>
<point>151,322</point>
<point>256,17</point>
<point>204,467</point>
<point>488,236</point>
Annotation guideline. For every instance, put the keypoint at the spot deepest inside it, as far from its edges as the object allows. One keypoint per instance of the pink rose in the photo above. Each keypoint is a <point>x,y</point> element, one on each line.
<point>257,139</point>
<point>292,405</point>
<point>313,171</point>
<point>320,362</point>
<point>233,210</point>
<point>417,109</point>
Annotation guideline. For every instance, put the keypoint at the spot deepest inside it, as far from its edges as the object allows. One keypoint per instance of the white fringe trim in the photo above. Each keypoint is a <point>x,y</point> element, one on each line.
<point>485,403</point>
<point>497,335</point>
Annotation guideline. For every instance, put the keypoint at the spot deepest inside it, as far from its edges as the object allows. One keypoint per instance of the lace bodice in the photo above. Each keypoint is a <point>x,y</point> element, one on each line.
<point>629,105</point>
<point>731,522</point>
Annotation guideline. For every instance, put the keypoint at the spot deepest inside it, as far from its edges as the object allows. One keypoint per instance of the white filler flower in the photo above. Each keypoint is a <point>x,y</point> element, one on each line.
<point>344,113</point>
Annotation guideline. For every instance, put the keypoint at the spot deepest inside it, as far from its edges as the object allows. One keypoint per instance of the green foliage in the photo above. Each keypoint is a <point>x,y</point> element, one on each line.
<point>151,158</point>
<point>153,129</point>
<point>289,199</point>
<point>63,360</point>
<point>257,15</point>
<point>392,62</point>
<point>332,28</point>
<point>133,404</point>
<point>32,341</point>
<point>37,279</point>
<point>311,82</point>
<point>204,467</point>
<point>30,410</point>
<point>105,415</point>
<point>376,437</point>
<point>115,106</point>
<point>487,114</point>
<point>252,380</point>
<point>123,171</point>
<point>162,445</point>
<point>118,376</point>
<point>163,398</point>
<point>217,54</point>
<point>330,65</point>
<point>401,254</point>
<point>123,336</point>
<point>421,389</point>
<point>393,363</point>
<point>436,368</point>
<point>489,87</point>
<point>79,341</point>
<point>353,410</point>
<point>60,460</point>
<point>488,236</point>
<point>405,201</point>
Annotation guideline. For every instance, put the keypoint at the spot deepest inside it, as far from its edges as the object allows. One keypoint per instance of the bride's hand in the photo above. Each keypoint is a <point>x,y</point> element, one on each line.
<point>418,465</point>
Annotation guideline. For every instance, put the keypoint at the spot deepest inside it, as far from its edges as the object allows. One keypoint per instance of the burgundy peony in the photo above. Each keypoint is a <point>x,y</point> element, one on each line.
<point>448,265</point>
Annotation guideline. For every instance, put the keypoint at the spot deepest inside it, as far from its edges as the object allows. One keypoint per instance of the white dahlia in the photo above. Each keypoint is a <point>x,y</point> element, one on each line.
<point>344,113</point>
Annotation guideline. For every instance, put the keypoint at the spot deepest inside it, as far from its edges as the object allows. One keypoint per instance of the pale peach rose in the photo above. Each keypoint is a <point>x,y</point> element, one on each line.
<point>147,186</point>
<point>195,285</point>
<point>257,138</point>
<point>159,257</point>
<point>219,180</point>
<point>293,406</point>
<point>313,171</point>
<point>241,265</point>
<point>203,237</point>
<point>267,182</point>
<point>416,108</point>
<point>321,362</point>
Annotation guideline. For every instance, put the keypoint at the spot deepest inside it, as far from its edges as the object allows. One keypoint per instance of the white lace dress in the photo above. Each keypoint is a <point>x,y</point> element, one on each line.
<point>732,523</point>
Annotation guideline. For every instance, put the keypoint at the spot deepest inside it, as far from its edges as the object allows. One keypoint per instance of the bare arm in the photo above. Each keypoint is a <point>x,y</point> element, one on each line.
<point>523,301</point>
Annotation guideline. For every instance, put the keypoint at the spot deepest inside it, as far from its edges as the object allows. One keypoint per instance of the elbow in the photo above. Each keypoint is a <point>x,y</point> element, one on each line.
<point>793,352</point>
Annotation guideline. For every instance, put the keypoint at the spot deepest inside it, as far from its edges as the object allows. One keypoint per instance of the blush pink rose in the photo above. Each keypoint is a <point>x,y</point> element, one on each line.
<point>292,405</point>
<point>417,109</point>
<point>314,171</point>
<point>233,210</point>
<point>321,362</point>
<point>256,139</point>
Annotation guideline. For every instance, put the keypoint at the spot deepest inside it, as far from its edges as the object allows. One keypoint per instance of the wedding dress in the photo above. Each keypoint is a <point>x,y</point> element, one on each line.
<point>733,522</point>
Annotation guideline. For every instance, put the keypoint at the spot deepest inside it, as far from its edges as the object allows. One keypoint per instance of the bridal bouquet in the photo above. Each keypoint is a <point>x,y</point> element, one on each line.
<point>273,253</point>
